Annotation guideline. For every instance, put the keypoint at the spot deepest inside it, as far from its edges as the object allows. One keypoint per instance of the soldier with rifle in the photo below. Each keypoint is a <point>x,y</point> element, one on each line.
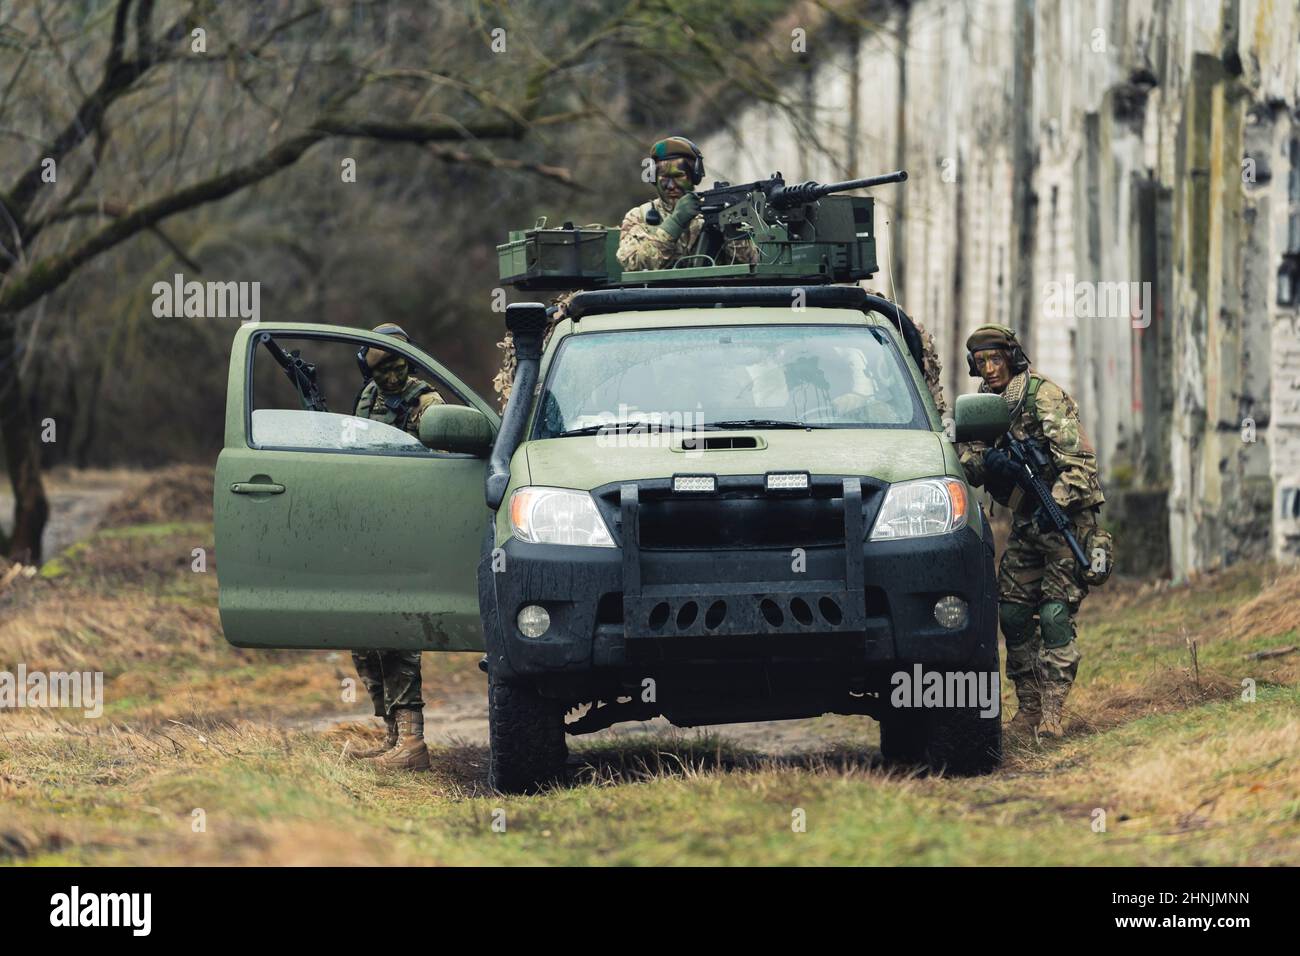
<point>394,396</point>
<point>391,677</point>
<point>1044,470</point>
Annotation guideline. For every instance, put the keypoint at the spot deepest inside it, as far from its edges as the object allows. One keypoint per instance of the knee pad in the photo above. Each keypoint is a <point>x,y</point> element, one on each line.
<point>1017,622</point>
<point>1057,628</point>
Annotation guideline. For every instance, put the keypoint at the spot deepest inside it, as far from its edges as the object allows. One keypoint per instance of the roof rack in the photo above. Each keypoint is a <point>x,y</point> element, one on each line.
<point>605,301</point>
<point>599,301</point>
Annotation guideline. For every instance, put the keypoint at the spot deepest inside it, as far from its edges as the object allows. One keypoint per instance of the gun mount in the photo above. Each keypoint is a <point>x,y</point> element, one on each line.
<point>802,233</point>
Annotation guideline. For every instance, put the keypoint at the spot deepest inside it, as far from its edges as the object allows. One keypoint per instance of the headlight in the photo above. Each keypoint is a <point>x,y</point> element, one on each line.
<point>557,516</point>
<point>913,509</point>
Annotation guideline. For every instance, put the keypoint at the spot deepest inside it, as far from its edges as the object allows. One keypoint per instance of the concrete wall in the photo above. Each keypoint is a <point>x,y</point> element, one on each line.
<point>1059,152</point>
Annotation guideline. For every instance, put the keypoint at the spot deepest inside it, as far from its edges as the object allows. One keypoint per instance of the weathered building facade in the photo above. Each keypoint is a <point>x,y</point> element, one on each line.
<point>1118,180</point>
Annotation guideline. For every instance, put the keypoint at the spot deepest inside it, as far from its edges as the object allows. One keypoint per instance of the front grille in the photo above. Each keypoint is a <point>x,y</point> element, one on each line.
<point>729,585</point>
<point>757,522</point>
<point>740,515</point>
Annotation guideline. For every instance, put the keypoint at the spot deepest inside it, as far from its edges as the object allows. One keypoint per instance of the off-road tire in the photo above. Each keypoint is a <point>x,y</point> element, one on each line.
<point>948,740</point>
<point>963,743</point>
<point>958,742</point>
<point>903,736</point>
<point>526,736</point>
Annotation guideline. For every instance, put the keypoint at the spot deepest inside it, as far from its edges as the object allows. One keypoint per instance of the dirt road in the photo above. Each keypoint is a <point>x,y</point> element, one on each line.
<point>462,719</point>
<point>77,501</point>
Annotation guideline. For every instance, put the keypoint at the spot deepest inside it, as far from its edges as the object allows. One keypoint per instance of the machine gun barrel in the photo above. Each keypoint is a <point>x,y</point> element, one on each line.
<point>785,196</point>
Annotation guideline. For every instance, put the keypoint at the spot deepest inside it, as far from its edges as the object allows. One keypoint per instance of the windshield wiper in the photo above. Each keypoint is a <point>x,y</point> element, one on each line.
<point>617,426</point>
<point>759,423</point>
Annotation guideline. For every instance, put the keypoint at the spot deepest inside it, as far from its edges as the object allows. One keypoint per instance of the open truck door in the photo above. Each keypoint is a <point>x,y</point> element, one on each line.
<point>334,530</point>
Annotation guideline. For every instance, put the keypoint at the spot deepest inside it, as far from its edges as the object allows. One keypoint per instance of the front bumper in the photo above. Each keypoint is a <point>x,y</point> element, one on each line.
<point>631,611</point>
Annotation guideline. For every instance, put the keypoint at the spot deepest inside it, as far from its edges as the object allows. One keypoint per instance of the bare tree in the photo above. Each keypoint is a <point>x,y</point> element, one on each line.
<point>140,58</point>
<point>126,114</point>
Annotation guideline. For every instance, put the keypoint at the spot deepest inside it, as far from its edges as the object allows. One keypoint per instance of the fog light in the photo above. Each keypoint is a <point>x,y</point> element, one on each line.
<point>533,621</point>
<point>787,481</point>
<point>951,612</point>
<point>689,484</point>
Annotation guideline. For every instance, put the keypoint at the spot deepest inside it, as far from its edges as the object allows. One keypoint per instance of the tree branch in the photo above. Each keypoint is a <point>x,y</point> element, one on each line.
<point>119,77</point>
<point>48,274</point>
<point>557,174</point>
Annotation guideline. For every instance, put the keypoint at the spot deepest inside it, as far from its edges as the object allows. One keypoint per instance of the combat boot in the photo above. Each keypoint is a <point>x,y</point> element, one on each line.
<point>1029,711</point>
<point>1025,722</point>
<point>390,741</point>
<point>1054,694</point>
<point>410,753</point>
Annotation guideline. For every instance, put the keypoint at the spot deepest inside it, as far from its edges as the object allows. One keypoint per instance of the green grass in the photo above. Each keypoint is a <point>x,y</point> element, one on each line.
<point>290,799</point>
<point>1185,771</point>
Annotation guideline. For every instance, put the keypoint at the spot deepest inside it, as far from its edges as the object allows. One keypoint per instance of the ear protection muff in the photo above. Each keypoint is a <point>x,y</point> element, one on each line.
<point>1019,361</point>
<point>697,167</point>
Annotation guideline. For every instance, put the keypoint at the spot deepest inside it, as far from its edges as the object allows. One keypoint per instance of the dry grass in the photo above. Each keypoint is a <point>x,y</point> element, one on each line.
<point>1186,771</point>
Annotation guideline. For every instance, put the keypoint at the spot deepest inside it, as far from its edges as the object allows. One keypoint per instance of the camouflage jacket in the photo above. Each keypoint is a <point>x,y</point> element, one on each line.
<point>418,395</point>
<point>642,246</point>
<point>1040,410</point>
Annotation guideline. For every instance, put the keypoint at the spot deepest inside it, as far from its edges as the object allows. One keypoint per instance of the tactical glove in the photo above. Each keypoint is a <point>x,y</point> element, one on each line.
<point>1044,520</point>
<point>999,466</point>
<point>687,208</point>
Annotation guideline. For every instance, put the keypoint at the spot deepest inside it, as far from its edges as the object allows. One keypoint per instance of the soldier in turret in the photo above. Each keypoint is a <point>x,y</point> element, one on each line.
<point>656,234</point>
<point>1040,586</point>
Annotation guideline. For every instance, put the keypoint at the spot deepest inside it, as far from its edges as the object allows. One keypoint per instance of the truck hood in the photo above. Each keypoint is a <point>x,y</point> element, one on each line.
<point>887,454</point>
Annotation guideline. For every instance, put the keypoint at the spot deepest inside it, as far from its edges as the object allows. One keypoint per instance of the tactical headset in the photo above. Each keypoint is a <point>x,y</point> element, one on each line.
<point>1019,360</point>
<point>696,170</point>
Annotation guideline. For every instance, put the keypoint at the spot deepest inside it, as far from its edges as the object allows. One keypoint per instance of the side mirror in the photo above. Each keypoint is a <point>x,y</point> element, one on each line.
<point>456,428</point>
<point>982,418</point>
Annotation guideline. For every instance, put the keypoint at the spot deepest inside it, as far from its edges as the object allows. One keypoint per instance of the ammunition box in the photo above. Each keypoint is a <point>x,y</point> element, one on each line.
<point>560,259</point>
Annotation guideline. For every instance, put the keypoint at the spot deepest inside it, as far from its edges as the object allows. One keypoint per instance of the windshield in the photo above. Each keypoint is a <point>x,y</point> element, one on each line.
<point>791,376</point>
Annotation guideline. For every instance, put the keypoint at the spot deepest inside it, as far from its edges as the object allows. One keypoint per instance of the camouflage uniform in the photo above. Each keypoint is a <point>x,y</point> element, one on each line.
<point>417,396</point>
<point>643,246</point>
<point>1039,584</point>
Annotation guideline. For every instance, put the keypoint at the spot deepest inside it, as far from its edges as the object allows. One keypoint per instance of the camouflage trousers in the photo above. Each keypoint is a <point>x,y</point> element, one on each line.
<point>1039,593</point>
<point>391,678</point>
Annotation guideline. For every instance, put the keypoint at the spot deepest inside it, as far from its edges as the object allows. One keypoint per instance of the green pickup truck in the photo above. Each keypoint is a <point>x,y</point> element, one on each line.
<point>712,503</point>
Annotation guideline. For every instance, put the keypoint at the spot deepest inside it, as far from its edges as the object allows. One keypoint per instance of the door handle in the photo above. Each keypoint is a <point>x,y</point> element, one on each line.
<point>256,488</point>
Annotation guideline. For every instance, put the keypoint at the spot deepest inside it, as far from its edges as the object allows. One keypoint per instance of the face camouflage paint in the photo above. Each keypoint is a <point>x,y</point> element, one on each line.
<point>672,179</point>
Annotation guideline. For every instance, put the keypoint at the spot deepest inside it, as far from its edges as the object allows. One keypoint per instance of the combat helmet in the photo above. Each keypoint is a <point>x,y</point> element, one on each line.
<point>671,146</point>
<point>995,337</point>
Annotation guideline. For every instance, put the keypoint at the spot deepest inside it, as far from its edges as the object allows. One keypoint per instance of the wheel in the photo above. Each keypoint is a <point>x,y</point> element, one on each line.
<point>963,743</point>
<point>902,738</point>
<point>952,740</point>
<point>526,737</point>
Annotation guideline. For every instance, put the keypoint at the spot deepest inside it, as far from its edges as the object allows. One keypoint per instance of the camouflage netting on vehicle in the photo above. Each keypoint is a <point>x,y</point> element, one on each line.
<point>931,368</point>
<point>506,376</point>
<point>180,493</point>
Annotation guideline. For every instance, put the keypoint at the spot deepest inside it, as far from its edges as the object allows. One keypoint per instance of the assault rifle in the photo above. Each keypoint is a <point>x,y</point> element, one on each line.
<point>1034,462</point>
<point>301,373</point>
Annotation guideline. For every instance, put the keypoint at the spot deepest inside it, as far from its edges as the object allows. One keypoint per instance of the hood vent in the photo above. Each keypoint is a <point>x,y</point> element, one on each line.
<point>719,443</point>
